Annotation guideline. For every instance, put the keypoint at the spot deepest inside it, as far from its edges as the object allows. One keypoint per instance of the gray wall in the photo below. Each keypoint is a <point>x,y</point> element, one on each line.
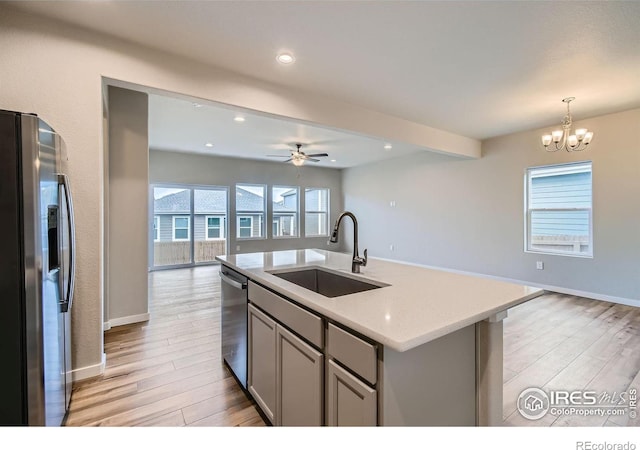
<point>127,209</point>
<point>183,168</point>
<point>469,214</point>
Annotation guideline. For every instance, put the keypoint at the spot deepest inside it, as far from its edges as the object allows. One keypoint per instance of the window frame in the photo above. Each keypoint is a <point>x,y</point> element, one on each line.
<point>220,226</point>
<point>173,228</point>
<point>317,211</point>
<point>156,228</point>
<point>528,211</point>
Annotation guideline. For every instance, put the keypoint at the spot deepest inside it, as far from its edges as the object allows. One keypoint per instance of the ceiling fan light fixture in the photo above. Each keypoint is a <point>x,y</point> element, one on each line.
<point>297,162</point>
<point>285,58</point>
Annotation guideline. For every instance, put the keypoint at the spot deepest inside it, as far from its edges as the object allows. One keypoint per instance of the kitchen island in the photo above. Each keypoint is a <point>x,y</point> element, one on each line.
<point>435,337</point>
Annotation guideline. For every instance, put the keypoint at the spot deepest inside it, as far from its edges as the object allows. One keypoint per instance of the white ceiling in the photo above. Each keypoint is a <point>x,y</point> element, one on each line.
<point>176,124</point>
<point>479,69</point>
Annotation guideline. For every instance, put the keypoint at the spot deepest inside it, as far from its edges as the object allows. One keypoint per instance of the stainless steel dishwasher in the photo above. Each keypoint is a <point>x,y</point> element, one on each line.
<point>234,322</point>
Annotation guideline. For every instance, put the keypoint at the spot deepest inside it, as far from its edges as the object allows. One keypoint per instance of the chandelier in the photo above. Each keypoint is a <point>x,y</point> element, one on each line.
<point>565,139</point>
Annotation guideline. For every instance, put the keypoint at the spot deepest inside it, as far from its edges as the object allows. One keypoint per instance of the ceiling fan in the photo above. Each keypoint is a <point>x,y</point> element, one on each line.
<point>298,157</point>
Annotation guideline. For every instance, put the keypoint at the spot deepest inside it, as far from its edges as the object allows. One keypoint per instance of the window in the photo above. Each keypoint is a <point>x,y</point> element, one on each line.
<point>245,227</point>
<point>284,202</point>
<point>156,228</point>
<point>316,214</point>
<point>559,215</point>
<point>215,228</point>
<point>181,228</point>
<point>250,208</point>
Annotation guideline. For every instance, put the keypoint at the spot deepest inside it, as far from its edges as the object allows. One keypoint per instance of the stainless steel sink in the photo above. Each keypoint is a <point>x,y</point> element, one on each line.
<point>324,282</point>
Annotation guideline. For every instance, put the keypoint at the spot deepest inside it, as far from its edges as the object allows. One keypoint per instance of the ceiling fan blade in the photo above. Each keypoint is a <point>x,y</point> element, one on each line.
<point>312,159</point>
<point>279,156</point>
<point>315,155</point>
<point>289,160</point>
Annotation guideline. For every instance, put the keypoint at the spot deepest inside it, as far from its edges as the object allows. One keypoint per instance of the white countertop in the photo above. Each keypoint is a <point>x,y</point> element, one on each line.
<point>419,305</point>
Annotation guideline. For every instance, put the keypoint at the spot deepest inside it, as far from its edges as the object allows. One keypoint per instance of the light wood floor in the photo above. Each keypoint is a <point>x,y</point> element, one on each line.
<point>169,372</point>
<point>563,342</point>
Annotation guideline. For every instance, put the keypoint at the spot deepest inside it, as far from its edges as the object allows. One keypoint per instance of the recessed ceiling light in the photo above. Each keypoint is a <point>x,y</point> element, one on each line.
<point>208,144</point>
<point>388,146</point>
<point>197,105</point>
<point>333,160</point>
<point>238,119</point>
<point>285,58</point>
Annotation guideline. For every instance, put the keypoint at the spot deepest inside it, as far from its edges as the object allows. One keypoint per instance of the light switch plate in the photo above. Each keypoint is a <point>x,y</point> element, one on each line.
<point>539,265</point>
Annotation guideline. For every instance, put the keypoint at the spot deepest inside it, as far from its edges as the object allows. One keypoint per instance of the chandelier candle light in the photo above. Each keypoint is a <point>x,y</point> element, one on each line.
<point>564,139</point>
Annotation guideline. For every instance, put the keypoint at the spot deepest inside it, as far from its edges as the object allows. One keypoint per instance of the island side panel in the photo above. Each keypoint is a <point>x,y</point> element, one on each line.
<point>431,385</point>
<point>489,338</point>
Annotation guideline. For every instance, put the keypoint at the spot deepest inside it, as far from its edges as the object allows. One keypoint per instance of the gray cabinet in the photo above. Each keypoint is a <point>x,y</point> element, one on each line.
<point>285,373</point>
<point>299,370</point>
<point>350,402</point>
<point>261,377</point>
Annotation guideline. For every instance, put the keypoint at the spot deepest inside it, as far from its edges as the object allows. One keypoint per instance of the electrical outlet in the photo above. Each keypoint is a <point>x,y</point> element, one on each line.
<point>237,248</point>
<point>392,203</point>
<point>539,265</point>
<point>391,247</point>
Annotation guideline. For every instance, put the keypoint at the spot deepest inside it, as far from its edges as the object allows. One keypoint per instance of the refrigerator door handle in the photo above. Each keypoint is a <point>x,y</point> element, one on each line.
<point>63,180</point>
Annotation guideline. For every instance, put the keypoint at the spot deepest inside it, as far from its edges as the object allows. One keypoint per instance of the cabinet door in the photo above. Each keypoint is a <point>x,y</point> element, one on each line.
<point>261,379</point>
<point>299,381</point>
<point>350,402</point>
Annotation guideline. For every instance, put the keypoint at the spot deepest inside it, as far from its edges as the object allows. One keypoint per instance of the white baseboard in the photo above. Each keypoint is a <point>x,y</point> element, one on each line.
<point>546,287</point>
<point>89,371</point>
<point>125,320</point>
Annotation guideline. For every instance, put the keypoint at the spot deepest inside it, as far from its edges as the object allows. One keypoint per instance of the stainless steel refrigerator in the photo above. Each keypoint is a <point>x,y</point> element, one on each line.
<point>37,271</point>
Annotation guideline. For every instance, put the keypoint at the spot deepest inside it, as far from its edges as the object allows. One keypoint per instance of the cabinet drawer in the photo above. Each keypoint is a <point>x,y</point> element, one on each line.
<point>353,352</point>
<point>307,325</point>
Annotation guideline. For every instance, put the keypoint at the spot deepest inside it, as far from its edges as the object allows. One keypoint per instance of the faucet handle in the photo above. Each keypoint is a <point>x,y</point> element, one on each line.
<point>364,260</point>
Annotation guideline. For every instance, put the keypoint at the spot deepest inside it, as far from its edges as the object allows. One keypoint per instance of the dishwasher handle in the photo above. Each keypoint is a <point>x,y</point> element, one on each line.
<point>232,282</point>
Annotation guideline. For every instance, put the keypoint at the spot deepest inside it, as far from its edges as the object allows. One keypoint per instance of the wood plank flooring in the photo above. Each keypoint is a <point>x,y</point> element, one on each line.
<point>169,371</point>
<point>564,342</point>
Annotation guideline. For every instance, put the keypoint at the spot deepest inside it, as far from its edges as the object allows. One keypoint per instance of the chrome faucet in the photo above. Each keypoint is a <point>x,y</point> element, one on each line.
<point>357,260</point>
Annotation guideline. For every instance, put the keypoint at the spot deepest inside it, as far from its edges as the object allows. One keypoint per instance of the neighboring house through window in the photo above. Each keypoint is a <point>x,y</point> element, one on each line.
<point>245,226</point>
<point>181,228</point>
<point>156,228</point>
<point>215,227</point>
<point>559,217</point>
<point>285,211</point>
<point>250,211</point>
<point>316,212</point>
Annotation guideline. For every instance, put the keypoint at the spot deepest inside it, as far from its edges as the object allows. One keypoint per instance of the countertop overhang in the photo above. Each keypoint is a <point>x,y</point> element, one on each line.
<point>419,305</point>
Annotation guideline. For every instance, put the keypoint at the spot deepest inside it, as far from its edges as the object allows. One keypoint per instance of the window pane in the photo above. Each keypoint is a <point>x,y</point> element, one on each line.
<point>285,211</point>
<point>210,210</point>
<point>316,211</point>
<point>250,202</point>
<point>170,248</point>
<point>156,226</point>
<point>559,209</point>
<point>560,231</point>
